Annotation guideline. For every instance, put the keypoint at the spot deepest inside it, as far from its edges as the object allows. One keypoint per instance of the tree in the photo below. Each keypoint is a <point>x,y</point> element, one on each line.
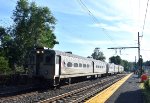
<point>7,48</point>
<point>115,60</point>
<point>98,55</point>
<point>126,65</point>
<point>4,67</point>
<point>147,63</point>
<point>33,26</point>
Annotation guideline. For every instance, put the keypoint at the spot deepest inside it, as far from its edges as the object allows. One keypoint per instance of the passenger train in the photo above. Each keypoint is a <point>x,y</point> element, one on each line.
<point>56,66</point>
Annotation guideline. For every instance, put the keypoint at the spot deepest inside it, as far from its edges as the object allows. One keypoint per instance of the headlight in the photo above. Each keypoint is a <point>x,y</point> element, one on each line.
<point>38,52</point>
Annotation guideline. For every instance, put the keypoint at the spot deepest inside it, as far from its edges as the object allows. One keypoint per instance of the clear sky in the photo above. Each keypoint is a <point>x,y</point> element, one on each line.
<point>116,23</point>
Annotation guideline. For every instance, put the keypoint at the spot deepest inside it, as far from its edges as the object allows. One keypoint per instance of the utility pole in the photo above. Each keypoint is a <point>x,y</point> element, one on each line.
<point>138,46</point>
<point>139,56</point>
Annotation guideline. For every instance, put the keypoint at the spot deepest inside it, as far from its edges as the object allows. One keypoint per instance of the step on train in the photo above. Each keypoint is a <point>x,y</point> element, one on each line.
<point>56,66</point>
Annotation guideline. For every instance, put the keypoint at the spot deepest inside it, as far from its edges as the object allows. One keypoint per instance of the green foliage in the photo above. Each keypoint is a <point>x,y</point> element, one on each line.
<point>98,55</point>
<point>126,65</point>
<point>147,85</point>
<point>33,26</point>
<point>147,63</point>
<point>115,60</point>
<point>19,69</point>
<point>4,67</point>
<point>146,91</point>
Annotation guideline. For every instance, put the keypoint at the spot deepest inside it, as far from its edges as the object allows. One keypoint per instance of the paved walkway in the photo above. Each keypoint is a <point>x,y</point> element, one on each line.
<point>129,92</point>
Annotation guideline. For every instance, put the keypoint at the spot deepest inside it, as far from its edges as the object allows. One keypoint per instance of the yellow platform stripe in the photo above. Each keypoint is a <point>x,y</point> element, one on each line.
<point>105,94</point>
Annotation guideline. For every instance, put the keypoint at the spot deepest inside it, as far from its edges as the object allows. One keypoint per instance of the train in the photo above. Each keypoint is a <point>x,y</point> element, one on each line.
<point>56,66</point>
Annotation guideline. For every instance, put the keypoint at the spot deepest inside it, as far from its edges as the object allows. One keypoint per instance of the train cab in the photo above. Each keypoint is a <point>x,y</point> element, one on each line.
<point>43,64</point>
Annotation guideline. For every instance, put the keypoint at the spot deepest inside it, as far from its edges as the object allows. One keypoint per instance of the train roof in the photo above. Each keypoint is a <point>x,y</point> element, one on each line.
<point>73,55</point>
<point>57,52</point>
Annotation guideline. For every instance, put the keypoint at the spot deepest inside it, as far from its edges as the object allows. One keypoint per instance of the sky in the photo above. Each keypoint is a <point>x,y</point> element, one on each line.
<point>102,23</point>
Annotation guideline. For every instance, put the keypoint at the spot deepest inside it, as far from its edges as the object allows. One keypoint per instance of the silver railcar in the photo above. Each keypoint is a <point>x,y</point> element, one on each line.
<point>55,66</point>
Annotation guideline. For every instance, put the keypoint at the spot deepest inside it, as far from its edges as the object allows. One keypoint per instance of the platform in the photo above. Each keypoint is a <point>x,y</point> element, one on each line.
<point>126,90</point>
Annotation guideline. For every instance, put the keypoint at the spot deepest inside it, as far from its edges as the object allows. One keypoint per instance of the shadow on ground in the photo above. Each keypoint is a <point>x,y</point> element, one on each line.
<point>131,97</point>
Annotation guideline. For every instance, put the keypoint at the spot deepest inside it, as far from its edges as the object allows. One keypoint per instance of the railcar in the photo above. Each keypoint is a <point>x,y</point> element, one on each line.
<point>111,68</point>
<point>120,69</point>
<point>116,68</point>
<point>99,68</point>
<point>56,66</point>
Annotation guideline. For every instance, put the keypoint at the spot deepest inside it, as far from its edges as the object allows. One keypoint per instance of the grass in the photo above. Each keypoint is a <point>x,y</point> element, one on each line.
<point>146,92</point>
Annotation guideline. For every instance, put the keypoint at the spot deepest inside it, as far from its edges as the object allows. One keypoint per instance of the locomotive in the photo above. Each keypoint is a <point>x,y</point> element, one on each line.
<point>55,66</point>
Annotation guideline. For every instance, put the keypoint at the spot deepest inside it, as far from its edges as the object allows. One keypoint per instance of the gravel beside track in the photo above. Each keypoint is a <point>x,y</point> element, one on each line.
<point>37,96</point>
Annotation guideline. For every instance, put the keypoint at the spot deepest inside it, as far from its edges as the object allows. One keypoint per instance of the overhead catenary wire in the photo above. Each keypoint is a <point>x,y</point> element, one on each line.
<point>145,17</point>
<point>143,23</point>
<point>94,19</point>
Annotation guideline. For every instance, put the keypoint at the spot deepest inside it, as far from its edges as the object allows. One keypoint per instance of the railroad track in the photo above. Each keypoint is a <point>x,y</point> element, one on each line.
<point>73,93</point>
<point>83,93</point>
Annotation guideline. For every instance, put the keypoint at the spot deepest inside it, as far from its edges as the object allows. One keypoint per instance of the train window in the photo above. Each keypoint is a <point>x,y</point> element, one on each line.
<point>80,65</point>
<point>69,64</point>
<point>57,59</point>
<point>87,65</point>
<point>75,64</point>
<point>84,65</point>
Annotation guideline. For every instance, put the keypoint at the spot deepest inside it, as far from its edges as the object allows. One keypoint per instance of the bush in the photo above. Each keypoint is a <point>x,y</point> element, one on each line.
<point>19,69</point>
<point>4,66</point>
<point>147,85</point>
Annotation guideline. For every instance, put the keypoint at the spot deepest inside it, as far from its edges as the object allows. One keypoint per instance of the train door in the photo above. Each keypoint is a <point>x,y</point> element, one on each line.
<point>57,70</point>
<point>93,66</point>
<point>107,68</point>
<point>39,61</point>
<point>58,65</point>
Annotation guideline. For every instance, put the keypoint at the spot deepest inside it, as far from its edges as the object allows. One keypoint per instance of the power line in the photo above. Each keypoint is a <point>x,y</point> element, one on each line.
<point>94,18</point>
<point>89,12</point>
<point>145,17</point>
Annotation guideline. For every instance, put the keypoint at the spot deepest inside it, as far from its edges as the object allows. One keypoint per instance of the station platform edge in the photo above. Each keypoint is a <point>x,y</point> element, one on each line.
<point>106,94</point>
